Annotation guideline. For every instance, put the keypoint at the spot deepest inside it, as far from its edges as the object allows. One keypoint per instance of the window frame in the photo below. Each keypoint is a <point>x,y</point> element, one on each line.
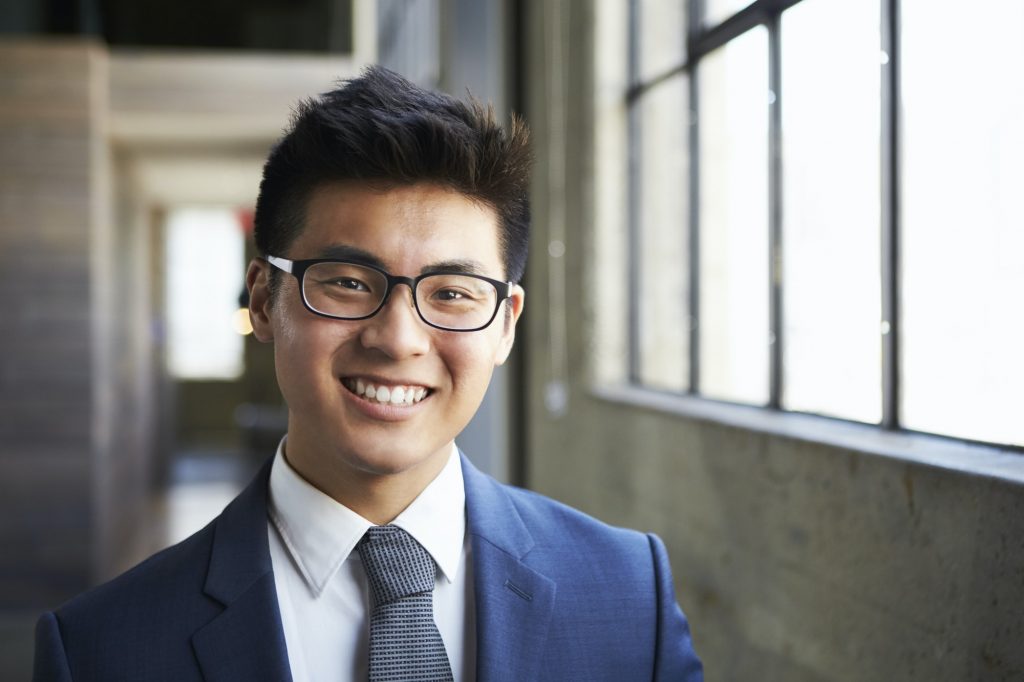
<point>700,41</point>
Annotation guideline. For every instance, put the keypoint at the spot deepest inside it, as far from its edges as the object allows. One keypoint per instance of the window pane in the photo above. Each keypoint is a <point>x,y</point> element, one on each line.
<point>205,275</point>
<point>831,268</point>
<point>607,271</point>
<point>661,43</point>
<point>963,220</point>
<point>664,319</point>
<point>717,10</point>
<point>734,220</point>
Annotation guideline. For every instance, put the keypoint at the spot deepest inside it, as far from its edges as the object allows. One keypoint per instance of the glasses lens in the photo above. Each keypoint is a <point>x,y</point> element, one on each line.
<point>456,301</point>
<point>343,289</point>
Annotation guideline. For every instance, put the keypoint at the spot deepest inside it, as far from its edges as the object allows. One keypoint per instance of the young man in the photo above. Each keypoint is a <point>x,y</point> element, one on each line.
<point>392,224</point>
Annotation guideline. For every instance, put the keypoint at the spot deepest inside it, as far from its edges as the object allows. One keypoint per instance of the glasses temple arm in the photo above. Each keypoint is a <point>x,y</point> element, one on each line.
<point>281,263</point>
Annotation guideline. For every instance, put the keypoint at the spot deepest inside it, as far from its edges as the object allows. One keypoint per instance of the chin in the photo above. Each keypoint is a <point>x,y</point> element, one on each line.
<point>389,462</point>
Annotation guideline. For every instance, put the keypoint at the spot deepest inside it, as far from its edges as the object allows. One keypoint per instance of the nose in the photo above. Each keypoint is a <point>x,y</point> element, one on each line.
<point>397,330</point>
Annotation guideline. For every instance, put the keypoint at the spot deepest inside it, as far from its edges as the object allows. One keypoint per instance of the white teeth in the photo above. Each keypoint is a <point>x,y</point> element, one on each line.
<point>392,395</point>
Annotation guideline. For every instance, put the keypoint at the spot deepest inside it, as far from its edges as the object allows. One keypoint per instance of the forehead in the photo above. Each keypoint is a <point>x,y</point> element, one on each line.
<point>404,227</point>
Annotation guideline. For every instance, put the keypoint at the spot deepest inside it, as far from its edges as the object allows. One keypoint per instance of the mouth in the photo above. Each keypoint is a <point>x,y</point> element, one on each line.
<point>396,395</point>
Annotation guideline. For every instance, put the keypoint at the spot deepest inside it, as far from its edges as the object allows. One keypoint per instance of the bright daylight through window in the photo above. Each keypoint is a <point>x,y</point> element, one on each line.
<point>205,270</point>
<point>824,209</point>
<point>963,220</point>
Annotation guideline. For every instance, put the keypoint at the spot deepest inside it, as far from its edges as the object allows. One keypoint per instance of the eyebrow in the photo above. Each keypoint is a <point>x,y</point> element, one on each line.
<point>465,267</point>
<point>356,255</point>
<point>351,253</point>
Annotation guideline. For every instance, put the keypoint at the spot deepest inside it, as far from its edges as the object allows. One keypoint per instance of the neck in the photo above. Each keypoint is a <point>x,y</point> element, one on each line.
<point>379,497</point>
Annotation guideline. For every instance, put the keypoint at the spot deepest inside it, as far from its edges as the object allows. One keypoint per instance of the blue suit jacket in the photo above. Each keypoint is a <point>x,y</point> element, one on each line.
<point>559,596</point>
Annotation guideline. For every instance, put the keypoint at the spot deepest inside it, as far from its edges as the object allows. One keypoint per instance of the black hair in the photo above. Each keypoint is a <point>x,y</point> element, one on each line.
<point>383,130</point>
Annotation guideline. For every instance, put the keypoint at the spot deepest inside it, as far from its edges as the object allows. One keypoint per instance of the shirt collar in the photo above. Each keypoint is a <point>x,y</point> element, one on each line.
<point>437,517</point>
<point>320,533</point>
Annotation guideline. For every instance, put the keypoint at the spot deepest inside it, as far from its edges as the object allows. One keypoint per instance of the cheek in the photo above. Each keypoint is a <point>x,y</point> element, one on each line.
<point>292,364</point>
<point>471,363</point>
<point>304,350</point>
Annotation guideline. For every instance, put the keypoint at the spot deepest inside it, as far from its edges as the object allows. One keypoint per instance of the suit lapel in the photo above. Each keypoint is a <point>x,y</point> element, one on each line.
<point>246,641</point>
<point>514,603</point>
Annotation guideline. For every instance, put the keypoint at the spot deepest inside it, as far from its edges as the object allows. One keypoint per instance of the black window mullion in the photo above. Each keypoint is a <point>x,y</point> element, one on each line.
<point>775,208</point>
<point>713,37</point>
<point>633,196</point>
<point>890,177</point>
<point>694,20</point>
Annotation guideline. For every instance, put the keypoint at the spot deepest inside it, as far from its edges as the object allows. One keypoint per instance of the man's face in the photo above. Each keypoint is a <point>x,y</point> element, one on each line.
<point>334,432</point>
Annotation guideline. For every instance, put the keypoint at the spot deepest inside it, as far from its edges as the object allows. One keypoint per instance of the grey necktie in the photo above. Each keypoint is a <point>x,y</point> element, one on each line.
<point>404,641</point>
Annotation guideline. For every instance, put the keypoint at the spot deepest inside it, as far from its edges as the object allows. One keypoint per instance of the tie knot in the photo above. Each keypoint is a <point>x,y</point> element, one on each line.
<point>396,565</point>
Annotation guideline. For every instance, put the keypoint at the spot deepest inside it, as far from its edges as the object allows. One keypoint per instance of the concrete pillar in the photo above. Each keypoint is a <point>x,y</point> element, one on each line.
<point>53,207</point>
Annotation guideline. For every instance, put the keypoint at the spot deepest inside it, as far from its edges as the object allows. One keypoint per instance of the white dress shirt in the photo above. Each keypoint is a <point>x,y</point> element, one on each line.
<point>321,585</point>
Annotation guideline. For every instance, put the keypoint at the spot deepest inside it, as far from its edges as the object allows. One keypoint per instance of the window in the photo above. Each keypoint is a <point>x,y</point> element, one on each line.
<point>824,212</point>
<point>831,233</point>
<point>732,210</point>
<point>205,271</point>
<point>660,241</point>
<point>962,220</point>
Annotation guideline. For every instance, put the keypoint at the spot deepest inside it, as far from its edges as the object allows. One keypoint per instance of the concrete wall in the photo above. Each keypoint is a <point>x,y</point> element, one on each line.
<point>55,384</point>
<point>794,559</point>
<point>51,200</point>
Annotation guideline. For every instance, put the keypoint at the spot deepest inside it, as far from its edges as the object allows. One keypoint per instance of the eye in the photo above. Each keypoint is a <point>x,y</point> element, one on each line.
<point>449,295</point>
<point>454,292</point>
<point>460,294</point>
<point>348,283</point>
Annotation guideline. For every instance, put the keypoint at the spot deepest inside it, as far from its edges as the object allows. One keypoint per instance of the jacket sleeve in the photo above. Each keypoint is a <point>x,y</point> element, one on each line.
<point>674,658</point>
<point>51,663</point>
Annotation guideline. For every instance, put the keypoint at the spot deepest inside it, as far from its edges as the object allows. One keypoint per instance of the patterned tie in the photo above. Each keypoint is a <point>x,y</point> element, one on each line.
<point>404,641</point>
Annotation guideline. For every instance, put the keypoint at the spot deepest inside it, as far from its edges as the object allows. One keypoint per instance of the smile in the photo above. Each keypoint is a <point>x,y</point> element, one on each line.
<point>385,394</point>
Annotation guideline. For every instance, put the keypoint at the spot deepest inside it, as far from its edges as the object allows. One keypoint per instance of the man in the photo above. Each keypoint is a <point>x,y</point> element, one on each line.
<point>392,224</point>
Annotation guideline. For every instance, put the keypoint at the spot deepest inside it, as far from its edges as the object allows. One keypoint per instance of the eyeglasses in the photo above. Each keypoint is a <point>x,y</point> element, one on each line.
<point>342,290</point>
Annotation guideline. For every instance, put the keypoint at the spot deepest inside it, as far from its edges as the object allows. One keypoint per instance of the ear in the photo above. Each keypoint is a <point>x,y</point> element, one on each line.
<point>515,302</point>
<point>257,281</point>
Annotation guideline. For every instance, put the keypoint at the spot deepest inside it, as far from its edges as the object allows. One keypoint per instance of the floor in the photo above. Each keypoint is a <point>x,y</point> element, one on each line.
<point>201,484</point>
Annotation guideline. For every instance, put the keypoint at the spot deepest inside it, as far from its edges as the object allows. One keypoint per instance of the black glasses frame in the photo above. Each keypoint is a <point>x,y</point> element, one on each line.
<point>298,268</point>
